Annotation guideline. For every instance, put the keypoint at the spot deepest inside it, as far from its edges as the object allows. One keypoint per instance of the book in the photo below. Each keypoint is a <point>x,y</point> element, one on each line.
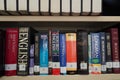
<point>86,7</point>
<point>26,38</point>
<point>36,56</point>
<point>11,51</point>
<point>103,52</point>
<point>23,7</point>
<point>71,53</point>
<point>82,52</point>
<point>2,53</point>
<point>55,53</point>
<point>31,65</point>
<point>50,52</point>
<point>109,65</point>
<point>76,7</point>
<point>96,53</point>
<point>3,7</point>
<point>96,7</point>
<point>55,7</point>
<point>11,7</point>
<point>66,7</point>
<point>115,49</point>
<point>44,7</point>
<point>62,50</point>
<point>43,53</point>
<point>34,6</point>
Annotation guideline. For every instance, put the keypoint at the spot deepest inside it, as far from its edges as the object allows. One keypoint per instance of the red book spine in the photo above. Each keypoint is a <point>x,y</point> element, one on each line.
<point>115,50</point>
<point>11,51</point>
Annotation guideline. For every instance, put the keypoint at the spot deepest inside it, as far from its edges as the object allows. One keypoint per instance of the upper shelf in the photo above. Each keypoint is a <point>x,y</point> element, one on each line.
<point>62,18</point>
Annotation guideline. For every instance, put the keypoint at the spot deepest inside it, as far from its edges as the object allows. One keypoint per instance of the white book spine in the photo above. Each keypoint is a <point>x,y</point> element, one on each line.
<point>22,5</point>
<point>86,5</point>
<point>55,6</point>
<point>44,5</point>
<point>34,5</point>
<point>76,6</point>
<point>66,6</point>
<point>11,5</point>
<point>97,6</point>
<point>2,5</point>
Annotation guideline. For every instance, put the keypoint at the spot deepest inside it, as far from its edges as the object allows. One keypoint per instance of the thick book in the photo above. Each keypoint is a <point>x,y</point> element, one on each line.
<point>96,53</point>
<point>115,50</point>
<point>71,53</point>
<point>65,7</point>
<point>2,53</point>
<point>109,65</point>
<point>34,6</point>
<point>76,7</point>
<point>86,7</point>
<point>96,7</point>
<point>103,52</point>
<point>11,51</point>
<point>26,38</point>
<point>31,65</point>
<point>62,50</point>
<point>82,52</point>
<point>43,53</point>
<point>36,56</point>
<point>11,7</point>
<point>55,53</point>
<point>23,7</point>
<point>50,52</point>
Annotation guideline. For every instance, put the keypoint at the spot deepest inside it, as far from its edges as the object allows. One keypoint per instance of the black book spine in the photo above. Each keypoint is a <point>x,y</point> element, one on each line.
<point>82,53</point>
<point>108,54</point>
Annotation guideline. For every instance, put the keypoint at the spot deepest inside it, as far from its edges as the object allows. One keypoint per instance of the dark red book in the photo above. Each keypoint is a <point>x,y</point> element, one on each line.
<point>11,51</point>
<point>115,50</point>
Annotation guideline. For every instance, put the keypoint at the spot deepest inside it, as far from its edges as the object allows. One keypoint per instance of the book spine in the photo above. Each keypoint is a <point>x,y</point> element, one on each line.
<point>108,54</point>
<point>62,45</point>
<point>96,54</point>
<point>36,57</point>
<point>55,53</point>
<point>31,65</point>
<point>103,52</point>
<point>23,51</point>
<point>82,52</point>
<point>71,53</point>
<point>89,53</point>
<point>2,52</point>
<point>43,54</point>
<point>11,51</point>
<point>50,53</point>
<point>115,50</point>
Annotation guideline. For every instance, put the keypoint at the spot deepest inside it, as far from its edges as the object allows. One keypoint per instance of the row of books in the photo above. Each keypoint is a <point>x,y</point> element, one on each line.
<point>50,7</point>
<point>25,51</point>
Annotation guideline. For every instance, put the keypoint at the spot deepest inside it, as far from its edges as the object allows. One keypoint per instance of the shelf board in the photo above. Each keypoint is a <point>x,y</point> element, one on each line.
<point>67,77</point>
<point>62,18</point>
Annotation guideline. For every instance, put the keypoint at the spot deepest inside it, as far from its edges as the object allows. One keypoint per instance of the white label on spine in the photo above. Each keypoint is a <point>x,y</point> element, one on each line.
<point>50,64</point>
<point>96,69</point>
<point>1,4</point>
<point>116,65</point>
<point>22,67</point>
<point>109,64</point>
<point>55,6</point>
<point>66,6</point>
<point>55,65</point>
<point>103,68</point>
<point>63,70</point>
<point>34,5</point>
<point>86,5</point>
<point>72,65</point>
<point>11,5</point>
<point>31,70</point>
<point>83,65</point>
<point>22,4</point>
<point>36,69</point>
<point>76,6</point>
<point>10,67</point>
<point>44,5</point>
<point>43,70</point>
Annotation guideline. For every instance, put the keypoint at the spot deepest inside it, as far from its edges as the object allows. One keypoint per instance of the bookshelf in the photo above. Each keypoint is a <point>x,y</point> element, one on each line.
<point>89,20</point>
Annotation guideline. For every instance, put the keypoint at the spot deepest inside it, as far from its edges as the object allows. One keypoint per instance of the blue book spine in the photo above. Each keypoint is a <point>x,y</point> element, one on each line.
<point>96,54</point>
<point>62,54</point>
<point>103,52</point>
<point>43,54</point>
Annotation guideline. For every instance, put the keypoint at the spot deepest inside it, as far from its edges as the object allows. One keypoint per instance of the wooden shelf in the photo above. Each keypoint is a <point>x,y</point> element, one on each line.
<point>62,18</point>
<point>67,77</point>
